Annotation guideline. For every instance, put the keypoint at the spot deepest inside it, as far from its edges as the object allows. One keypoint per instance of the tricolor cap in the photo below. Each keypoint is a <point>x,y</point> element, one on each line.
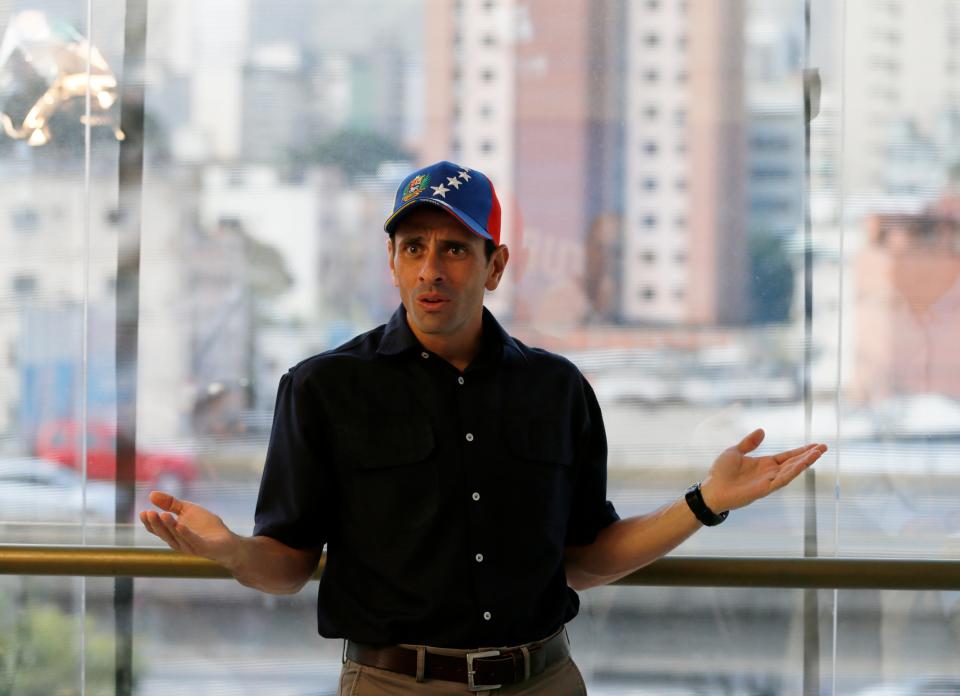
<point>467,194</point>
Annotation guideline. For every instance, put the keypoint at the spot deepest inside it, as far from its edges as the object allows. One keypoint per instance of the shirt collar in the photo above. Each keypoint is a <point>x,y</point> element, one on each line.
<point>398,338</point>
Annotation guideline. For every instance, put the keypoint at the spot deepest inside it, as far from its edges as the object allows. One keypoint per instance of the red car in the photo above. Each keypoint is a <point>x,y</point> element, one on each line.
<point>59,440</point>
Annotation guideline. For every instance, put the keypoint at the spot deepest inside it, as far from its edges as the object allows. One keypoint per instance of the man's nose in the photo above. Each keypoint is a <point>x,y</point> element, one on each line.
<point>431,269</point>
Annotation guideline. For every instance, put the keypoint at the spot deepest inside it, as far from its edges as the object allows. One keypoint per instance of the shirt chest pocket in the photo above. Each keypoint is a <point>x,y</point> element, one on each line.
<point>539,459</point>
<point>389,477</point>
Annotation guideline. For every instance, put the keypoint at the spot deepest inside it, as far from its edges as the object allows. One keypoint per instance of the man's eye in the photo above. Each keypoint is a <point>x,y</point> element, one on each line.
<point>411,248</point>
<point>458,251</point>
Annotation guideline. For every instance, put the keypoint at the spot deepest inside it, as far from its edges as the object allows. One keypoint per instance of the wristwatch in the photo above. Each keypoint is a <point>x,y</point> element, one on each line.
<point>704,514</point>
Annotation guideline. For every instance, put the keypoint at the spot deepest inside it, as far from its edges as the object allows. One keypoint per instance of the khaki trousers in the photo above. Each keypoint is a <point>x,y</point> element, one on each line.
<point>559,679</point>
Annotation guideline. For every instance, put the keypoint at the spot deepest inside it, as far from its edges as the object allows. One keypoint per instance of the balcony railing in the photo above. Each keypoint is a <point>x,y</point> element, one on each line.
<point>823,573</point>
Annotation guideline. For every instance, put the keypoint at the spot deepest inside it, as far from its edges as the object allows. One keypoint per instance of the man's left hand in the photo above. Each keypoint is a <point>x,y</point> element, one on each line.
<point>736,480</point>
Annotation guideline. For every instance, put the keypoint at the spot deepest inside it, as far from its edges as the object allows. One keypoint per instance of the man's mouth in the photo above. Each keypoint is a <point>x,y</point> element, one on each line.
<point>432,300</point>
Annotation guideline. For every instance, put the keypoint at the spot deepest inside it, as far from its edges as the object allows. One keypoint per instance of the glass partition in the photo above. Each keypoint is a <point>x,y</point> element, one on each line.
<point>727,215</point>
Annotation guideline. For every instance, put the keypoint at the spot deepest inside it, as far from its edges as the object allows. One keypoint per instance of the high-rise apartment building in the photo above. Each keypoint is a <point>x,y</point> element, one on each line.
<point>684,239</point>
<point>602,124</point>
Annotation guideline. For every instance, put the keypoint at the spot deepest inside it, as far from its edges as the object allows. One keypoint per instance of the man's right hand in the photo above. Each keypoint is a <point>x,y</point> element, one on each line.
<point>258,561</point>
<point>190,528</point>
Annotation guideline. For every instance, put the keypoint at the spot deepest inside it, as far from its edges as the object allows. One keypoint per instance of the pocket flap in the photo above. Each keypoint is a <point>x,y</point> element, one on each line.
<point>540,440</point>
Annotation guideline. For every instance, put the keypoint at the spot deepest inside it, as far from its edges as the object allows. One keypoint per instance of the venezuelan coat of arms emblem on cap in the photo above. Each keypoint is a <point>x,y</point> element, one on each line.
<point>417,185</point>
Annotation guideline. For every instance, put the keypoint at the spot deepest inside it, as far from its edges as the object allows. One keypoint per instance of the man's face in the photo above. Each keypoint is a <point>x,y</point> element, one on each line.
<point>441,270</point>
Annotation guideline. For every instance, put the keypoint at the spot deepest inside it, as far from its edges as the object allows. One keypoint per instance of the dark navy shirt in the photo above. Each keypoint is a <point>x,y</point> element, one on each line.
<point>445,499</point>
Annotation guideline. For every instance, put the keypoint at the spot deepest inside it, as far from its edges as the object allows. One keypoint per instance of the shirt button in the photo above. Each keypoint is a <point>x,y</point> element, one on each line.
<point>475,496</point>
<point>424,355</point>
<point>479,558</point>
<point>487,616</point>
<point>460,380</point>
<point>469,437</point>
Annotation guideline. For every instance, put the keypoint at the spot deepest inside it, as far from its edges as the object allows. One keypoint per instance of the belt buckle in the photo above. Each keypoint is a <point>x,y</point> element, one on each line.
<point>470,670</point>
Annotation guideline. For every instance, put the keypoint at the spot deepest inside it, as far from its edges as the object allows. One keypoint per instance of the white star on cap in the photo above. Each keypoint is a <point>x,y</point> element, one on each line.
<point>440,190</point>
<point>455,182</point>
<point>463,175</point>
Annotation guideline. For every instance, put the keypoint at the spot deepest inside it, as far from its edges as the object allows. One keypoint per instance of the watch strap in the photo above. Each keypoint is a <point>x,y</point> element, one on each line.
<point>706,516</point>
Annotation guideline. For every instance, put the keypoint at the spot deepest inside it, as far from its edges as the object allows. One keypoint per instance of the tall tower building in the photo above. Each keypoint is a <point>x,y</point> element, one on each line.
<point>470,95</point>
<point>585,120</point>
<point>684,222</point>
<point>530,96</point>
<point>902,99</point>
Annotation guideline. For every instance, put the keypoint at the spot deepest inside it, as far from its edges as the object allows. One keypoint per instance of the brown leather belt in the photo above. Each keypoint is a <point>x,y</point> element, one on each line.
<point>481,671</point>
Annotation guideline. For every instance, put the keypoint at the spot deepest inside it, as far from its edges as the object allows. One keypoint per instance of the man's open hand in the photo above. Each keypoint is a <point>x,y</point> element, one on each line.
<point>736,480</point>
<point>189,528</point>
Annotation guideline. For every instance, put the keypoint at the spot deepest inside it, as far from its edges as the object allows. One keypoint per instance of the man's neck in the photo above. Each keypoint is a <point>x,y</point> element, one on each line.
<point>457,349</point>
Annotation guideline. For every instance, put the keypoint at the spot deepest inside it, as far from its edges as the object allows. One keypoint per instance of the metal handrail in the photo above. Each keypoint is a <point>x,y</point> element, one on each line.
<point>824,573</point>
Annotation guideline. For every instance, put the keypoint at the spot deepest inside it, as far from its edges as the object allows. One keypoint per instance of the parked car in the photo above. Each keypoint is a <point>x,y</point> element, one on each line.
<point>35,490</point>
<point>168,471</point>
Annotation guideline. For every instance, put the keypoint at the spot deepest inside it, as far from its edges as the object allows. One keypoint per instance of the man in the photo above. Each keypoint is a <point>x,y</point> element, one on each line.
<point>456,476</point>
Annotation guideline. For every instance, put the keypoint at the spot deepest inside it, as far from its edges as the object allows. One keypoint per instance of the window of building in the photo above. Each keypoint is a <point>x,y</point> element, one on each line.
<point>770,172</point>
<point>651,40</point>
<point>650,112</point>
<point>24,218</point>
<point>651,75</point>
<point>649,220</point>
<point>114,216</point>
<point>648,292</point>
<point>648,257</point>
<point>486,146</point>
<point>24,284</point>
<point>649,184</point>
<point>487,74</point>
<point>236,177</point>
<point>650,147</point>
<point>769,142</point>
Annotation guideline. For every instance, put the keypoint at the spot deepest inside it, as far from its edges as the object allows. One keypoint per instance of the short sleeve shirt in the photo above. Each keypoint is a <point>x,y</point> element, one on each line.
<point>445,498</point>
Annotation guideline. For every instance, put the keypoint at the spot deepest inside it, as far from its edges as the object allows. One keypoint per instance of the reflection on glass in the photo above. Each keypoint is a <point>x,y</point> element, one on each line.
<point>43,72</point>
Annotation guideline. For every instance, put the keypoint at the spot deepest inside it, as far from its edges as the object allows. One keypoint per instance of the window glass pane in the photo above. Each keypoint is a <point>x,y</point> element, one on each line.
<point>669,217</point>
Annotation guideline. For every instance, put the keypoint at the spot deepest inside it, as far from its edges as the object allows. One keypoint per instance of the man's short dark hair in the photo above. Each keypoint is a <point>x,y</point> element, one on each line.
<point>488,246</point>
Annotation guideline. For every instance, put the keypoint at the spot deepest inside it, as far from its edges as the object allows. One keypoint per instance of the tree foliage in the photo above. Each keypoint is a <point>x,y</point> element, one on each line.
<point>771,279</point>
<point>39,652</point>
<point>355,152</point>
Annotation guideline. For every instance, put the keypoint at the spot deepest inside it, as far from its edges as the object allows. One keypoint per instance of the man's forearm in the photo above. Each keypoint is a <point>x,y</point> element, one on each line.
<point>270,566</point>
<point>629,544</point>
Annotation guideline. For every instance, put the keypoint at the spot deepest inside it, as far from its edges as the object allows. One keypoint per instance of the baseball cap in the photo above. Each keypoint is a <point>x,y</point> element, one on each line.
<point>465,193</point>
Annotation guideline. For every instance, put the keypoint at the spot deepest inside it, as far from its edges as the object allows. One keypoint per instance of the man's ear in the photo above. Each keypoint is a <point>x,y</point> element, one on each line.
<point>498,263</point>
<point>393,269</point>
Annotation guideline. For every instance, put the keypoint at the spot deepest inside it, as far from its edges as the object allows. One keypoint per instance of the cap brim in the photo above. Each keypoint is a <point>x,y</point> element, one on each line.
<point>471,224</point>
